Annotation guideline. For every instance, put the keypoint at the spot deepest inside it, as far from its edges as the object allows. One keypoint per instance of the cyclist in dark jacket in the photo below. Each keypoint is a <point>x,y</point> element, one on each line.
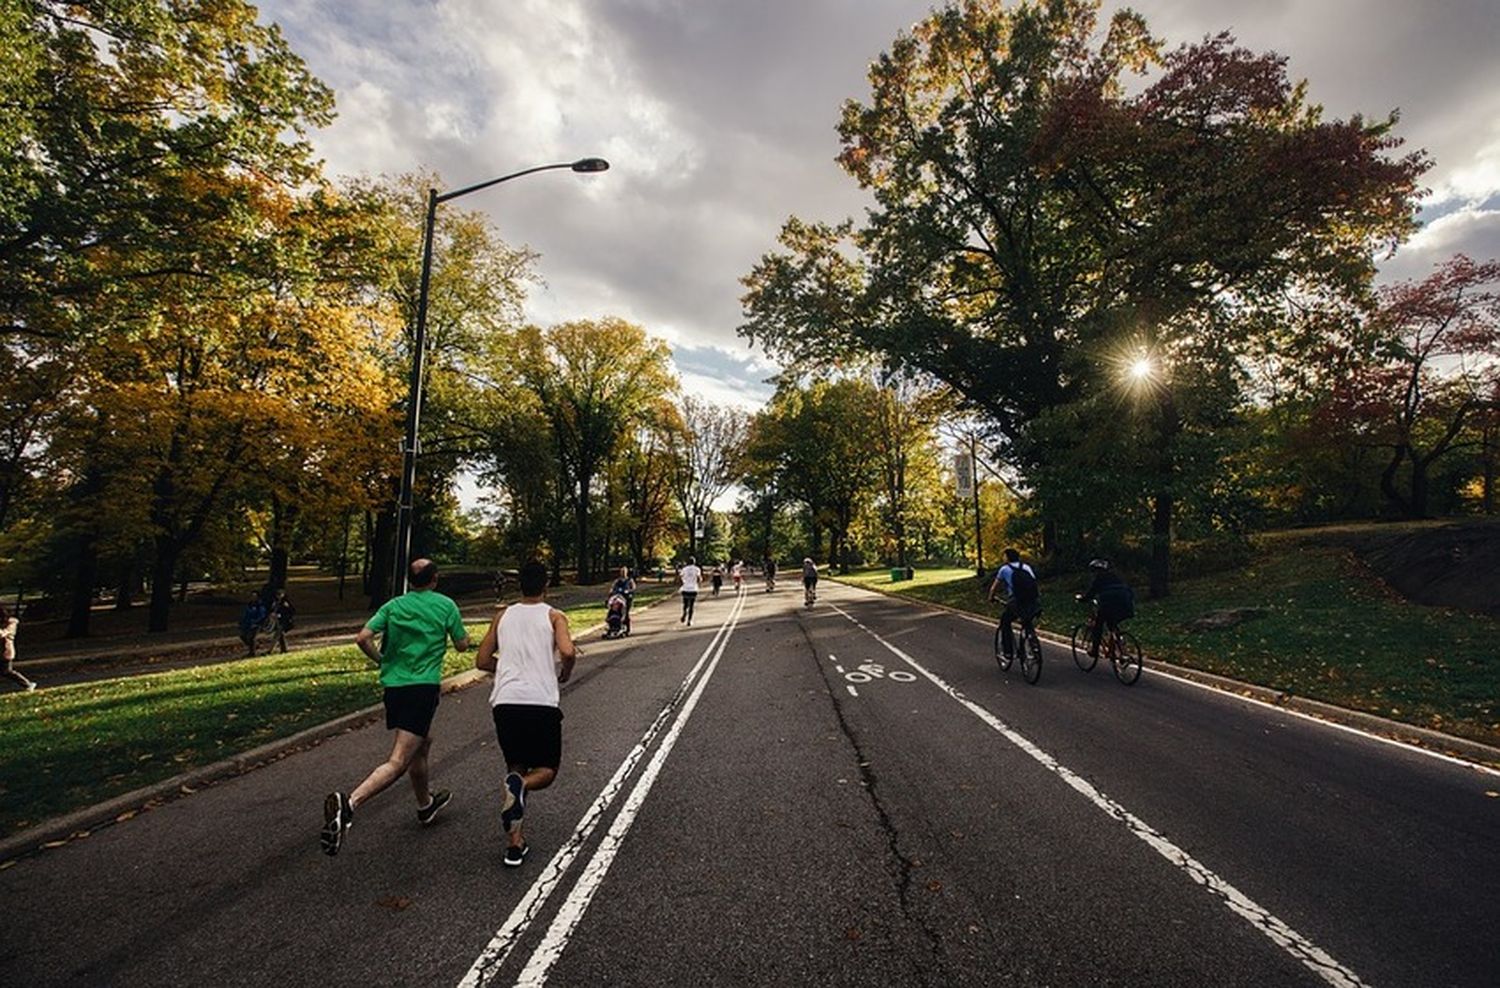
<point>1115,600</point>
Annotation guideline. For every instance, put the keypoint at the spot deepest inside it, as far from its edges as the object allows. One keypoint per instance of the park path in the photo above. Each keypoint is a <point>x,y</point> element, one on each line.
<point>852,794</point>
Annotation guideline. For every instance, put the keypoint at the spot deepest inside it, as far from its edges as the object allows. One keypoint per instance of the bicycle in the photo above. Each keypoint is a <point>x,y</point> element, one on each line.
<point>1029,649</point>
<point>1122,648</point>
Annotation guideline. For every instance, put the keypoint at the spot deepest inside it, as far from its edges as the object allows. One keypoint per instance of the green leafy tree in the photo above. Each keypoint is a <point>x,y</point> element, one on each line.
<point>1038,220</point>
<point>595,381</point>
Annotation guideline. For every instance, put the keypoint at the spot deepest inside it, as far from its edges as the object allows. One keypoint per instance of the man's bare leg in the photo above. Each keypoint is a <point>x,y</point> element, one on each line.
<point>403,751</point>
<point>417,772</point>
<point>533,779</point>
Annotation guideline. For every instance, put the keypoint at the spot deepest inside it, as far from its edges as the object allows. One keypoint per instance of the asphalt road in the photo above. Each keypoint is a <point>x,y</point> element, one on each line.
<point>851,794</point>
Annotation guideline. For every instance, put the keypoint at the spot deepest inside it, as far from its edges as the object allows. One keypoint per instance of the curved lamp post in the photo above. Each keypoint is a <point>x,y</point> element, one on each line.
<point>419,356</point>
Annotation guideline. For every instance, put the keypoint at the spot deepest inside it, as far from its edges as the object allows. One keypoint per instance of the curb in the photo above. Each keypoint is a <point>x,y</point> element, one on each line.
<point>1483,756</point>
<point>80,823</point>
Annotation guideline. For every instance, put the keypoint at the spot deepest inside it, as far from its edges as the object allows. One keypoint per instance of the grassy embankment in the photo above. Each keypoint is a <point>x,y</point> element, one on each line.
<point>72,746</point>
<point>1332,631</point>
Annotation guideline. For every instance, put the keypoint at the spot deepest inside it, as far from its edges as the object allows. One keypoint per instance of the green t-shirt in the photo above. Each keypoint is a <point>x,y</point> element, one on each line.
<point>417,626</point>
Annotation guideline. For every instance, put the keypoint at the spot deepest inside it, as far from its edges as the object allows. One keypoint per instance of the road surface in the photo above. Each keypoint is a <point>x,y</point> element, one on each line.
<point>848,794</point>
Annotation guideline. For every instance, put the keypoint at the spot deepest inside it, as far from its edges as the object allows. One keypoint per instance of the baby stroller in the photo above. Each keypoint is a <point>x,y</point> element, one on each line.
<point>617,618</point>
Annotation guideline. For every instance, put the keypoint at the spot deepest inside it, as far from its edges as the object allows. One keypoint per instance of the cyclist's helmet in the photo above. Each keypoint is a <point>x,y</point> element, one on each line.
<point>1099,564</point>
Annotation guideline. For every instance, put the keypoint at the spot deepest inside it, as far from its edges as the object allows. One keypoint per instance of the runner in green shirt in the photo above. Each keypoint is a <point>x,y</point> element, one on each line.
<point>416,628</point>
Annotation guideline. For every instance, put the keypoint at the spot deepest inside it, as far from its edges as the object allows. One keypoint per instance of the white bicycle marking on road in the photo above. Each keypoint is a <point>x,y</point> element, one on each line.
<point>571,912</point>
<point>868,672</point>
<point>495,953</point>
<point>1304,950</point>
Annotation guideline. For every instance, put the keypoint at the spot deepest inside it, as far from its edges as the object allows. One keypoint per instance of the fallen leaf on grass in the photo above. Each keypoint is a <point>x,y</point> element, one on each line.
<point>395,903</point>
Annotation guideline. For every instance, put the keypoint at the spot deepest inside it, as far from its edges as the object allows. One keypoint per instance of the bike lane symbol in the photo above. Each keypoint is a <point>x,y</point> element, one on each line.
<point>868,672</point>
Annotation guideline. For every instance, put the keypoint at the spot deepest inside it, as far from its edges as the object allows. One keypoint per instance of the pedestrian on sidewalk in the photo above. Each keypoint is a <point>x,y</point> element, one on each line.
<point>283,615</point>
<point>253,616</point>
<point>689,576</point>
<point>531,653</point>
<point>416,628</point>
<point>8,625</point>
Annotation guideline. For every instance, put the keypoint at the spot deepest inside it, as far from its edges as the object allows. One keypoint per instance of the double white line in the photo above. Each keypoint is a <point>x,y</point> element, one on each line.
<point>498,950</point>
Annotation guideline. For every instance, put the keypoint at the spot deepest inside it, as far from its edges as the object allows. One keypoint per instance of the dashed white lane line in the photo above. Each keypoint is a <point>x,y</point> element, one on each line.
<point>495,953</point>
<point>572,909</point>
<point>1304,950</point>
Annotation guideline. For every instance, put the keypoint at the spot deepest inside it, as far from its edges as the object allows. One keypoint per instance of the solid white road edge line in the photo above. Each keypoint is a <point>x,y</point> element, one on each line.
<point>1304,950</point>
<point>1157,670</point>
<point>495,953</point>
<point>572,909</point>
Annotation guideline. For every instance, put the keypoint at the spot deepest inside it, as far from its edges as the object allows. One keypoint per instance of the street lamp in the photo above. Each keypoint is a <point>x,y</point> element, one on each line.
<point>419,356</point>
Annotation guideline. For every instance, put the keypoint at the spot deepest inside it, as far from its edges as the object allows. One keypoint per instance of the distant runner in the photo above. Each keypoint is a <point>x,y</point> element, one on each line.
<point>689,575</point>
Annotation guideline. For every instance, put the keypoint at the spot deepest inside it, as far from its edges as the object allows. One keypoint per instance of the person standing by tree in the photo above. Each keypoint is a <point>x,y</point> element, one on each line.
<point>689,576</point>
<point>8,626</point>
<point>416,626</point>
<point>521,649</point>
<point>282,615</point>
<point>251,619</point>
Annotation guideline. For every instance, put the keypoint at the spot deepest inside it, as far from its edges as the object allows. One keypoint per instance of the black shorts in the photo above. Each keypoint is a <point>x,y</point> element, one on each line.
<point>410,708</point>
<point>809,581</point>
<point>530,735</point>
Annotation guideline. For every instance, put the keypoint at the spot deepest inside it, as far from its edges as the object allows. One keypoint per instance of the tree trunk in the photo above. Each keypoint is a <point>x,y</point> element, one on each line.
<point>1419,487</point>
<point>283,517</point>
<point>1161,544</point>
<point>130,581</point>
<point>1487,491</point>
<point>163,567</point>
<point>85,574</point>
<point>1388,481</point>
<point>382,558</point>
<point>1162,503</point>
<point>581,519</point>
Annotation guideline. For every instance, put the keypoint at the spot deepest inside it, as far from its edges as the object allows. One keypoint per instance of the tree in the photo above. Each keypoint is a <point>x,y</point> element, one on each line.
<point>1424,367</point>
<point>1037,219</point>
<point>118,107</point>
<point>595,381</point>
<point>706,459</point>
<point>813,442</point>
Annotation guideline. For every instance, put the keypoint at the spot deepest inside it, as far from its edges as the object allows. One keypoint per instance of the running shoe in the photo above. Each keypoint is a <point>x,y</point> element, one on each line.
<point>338,817</point>
<point>427,814</point>
<point>515,855</point>
<point>513,807</point>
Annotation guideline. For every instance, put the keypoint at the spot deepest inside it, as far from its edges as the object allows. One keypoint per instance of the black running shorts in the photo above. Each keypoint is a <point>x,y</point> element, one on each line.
<point>530,735</point>
<point>411,708</point>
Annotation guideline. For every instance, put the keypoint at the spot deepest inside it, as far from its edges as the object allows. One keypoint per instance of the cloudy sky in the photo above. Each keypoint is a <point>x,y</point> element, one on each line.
<point>717,117</point>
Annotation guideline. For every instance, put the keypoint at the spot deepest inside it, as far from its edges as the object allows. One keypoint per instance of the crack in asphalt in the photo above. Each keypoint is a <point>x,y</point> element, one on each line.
<point>901,864</point>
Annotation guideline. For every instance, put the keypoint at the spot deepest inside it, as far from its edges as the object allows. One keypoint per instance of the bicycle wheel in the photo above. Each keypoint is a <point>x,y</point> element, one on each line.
<point>1126,658</point>
<point>1001,658</point>
<point>1031,655</point>
<point>1081,656</point>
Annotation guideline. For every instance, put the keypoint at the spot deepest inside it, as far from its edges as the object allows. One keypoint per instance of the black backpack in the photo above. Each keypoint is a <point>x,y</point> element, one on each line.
<point>1023,587</point>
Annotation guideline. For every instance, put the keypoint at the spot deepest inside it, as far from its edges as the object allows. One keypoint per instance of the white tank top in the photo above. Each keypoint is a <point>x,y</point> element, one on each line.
<point>525,666</point>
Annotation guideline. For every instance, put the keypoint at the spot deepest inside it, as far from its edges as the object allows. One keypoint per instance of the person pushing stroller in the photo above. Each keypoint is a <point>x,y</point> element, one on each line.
<point>617,605</point>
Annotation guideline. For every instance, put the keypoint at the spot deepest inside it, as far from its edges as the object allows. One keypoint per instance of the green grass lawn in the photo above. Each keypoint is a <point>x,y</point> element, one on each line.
<point>1331,632</point>
<point>76,745</point>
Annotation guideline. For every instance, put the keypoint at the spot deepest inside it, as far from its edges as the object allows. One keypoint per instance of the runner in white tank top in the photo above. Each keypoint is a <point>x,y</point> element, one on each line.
<point>526,665</point>
<point>522,649</point>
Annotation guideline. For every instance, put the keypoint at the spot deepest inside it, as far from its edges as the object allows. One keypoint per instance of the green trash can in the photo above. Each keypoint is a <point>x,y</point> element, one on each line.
<point>897,575</point>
